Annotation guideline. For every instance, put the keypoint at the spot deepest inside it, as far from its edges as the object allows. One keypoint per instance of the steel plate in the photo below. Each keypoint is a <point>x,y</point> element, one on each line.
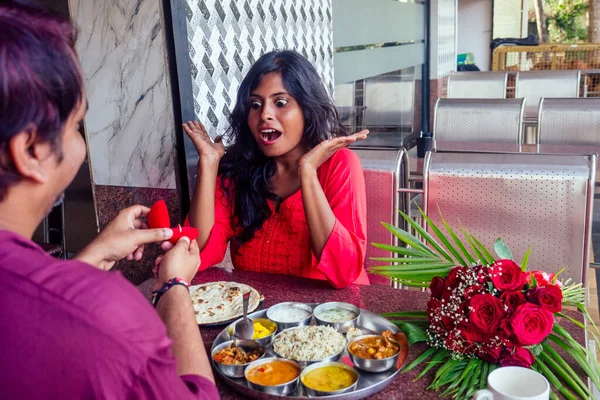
<point>368,383</point>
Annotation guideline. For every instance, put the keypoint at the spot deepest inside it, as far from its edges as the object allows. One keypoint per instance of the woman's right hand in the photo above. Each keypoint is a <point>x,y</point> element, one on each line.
<point>207,150</point>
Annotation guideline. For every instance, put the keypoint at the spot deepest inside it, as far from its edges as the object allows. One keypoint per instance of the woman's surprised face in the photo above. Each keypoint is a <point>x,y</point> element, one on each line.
<point>275,118</point>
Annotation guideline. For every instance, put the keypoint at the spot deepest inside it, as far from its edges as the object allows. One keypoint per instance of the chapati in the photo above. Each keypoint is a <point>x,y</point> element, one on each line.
<point>219,302</point>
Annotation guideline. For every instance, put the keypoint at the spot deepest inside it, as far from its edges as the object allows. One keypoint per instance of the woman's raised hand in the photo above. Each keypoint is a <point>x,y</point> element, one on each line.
<point>207,150</point>
<point>321,153</point>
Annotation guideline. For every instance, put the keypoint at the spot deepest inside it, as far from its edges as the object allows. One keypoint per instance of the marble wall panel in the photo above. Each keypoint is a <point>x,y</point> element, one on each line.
<point>129,125</point>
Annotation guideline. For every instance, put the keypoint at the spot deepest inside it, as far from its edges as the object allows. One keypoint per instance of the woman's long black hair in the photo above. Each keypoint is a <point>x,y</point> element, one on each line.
<point>244,170</point>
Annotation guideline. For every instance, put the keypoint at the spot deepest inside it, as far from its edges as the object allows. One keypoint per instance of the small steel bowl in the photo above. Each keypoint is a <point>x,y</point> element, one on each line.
<point>286,325</point>
<point>314,392</point>
<point>279,390</point>
<point>304,364</point>
<point>372,365</point>
<point>236,370</point>
<point>267,340</point>
<point>340,326</point>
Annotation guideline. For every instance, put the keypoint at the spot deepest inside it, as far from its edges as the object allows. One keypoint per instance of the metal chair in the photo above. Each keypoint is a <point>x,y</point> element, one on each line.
<point>569,121</point>
<point>482,120</point>
<point>533,85</point>
<point>530,200</point>
<point>477,85</point>
<point>390,102</point>
<point>345,94</point>
<point>385,171</point>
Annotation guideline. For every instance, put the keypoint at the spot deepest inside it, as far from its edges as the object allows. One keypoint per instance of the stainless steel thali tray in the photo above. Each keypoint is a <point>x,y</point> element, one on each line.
<point>368,383</point>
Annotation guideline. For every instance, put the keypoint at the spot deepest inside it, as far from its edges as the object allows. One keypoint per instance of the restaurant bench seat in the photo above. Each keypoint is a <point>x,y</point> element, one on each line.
<point>385,171</point>
<point>568,121</point>
<point>479,120</point>
<point>534,85</point>
<point>477,85</point>
<point>538,201</point>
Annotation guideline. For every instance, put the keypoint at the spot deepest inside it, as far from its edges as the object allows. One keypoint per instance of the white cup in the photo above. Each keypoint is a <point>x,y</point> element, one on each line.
<point>515,383</point>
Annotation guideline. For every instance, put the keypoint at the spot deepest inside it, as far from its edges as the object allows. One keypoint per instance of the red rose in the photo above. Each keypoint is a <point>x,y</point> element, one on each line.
<point>492,354</point>
<point>486,312</point>
<point>483,274</point>
<point>433,309</point>
<point>548,297</point>
<point>542,278</point>
<point>455,276</point>
<point>507,275</point>
<point>448,296</point>
<point>531,324</point>
<point>505,331</point>
<point>471,333</point>
<point>437,287</point>
<point>455,342</point>
<point>448,323</point>
<point>517,356</point>
<point>472,291</point>
<point>513,299</point>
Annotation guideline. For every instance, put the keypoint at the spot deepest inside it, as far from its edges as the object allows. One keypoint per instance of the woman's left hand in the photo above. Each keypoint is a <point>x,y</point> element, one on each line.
<point>321,153</point>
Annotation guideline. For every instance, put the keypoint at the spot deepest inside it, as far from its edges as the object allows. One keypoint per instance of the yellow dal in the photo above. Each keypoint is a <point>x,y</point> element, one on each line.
<point>329,379</point>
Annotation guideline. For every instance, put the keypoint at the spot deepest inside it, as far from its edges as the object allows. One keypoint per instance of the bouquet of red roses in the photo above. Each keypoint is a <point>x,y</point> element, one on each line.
<point>495,313</point>
<point>487,312</point>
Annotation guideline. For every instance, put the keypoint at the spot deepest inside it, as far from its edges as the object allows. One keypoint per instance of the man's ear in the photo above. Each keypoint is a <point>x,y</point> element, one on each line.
<point>28,154</point>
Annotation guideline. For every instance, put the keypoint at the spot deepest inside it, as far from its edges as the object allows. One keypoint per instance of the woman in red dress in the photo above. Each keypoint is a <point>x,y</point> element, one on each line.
<point>287,194</point>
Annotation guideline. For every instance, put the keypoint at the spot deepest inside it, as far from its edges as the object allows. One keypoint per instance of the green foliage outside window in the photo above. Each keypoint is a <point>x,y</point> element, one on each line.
<point>567,21</point>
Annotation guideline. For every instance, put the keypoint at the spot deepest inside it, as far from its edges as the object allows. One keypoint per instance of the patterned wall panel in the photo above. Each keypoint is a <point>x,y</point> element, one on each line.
<point>227,36</point>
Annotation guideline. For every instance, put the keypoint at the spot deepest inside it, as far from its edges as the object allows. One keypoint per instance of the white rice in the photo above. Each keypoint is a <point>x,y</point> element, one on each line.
<point>309,343</point>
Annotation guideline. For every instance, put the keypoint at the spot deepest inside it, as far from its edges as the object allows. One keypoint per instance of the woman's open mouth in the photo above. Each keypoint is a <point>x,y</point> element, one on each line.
<point>270,136</point>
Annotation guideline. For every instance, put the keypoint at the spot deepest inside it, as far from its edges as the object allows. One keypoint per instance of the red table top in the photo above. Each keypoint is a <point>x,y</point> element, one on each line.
<point>376,298</point>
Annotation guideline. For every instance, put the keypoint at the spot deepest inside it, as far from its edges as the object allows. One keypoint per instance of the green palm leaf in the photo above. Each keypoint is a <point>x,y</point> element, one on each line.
<point>424,356</point>
<point>405,251</point>
<point>554,381</point>
<point>416,268</point>
<point>488,256</point>
<point>419,284</point>
<point>460,245</point>
<point>484,374</point>
<point>439,357</point>
<point>582,326</point>
<point>407,238</point>
<point>561,368</point>
<point>473,364</point>
<point>449,372</point>
<point>575,351</point>
<point>471,387</point>
<point>428,238</point>
<point>413,333</point>
<point>414,314</point>
<point>399,271</point>
<point>408,260</point>
<point>525,260</point>
<point>443,238</point>
<point>475,248</point>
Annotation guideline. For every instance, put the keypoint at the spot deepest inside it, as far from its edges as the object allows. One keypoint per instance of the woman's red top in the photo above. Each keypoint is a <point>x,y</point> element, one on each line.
<point>282,245</point>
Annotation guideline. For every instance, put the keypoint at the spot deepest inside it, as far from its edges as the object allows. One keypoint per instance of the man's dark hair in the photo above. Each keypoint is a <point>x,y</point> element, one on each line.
<point>40,80</point>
